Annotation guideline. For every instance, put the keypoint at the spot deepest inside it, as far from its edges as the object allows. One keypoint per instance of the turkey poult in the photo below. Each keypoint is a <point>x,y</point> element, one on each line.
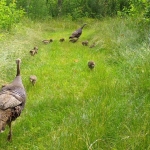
<point>34,51</point>
<point>47,41</point>
<point>91,64</point>
<point>93,45</point>
<point>33,79</point>
<point>12,101</point>
<point>85,43</point>
<point>73,40</point>
<point>62,40</point>
<point>77,33</point>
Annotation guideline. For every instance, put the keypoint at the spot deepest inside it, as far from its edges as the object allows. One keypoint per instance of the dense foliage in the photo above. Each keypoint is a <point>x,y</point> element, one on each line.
<point>82,8</point>
<point>11,11</point>
<point>9,14</point>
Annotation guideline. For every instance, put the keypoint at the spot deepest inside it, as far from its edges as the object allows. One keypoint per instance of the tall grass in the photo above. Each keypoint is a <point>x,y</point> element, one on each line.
<point>72,107</point>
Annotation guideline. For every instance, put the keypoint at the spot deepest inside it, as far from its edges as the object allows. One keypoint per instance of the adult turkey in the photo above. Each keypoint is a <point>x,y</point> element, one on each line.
<point>12,101</point>
<point>77,33</point>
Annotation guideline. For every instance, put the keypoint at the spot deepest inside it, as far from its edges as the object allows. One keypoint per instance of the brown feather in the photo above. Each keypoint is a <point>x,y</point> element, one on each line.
<point>47,41</point>
<point>4,118</point>
<point>8,101</point>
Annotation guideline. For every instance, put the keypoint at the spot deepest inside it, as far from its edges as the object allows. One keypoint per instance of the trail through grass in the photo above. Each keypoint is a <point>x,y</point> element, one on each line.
<point>71,106</point>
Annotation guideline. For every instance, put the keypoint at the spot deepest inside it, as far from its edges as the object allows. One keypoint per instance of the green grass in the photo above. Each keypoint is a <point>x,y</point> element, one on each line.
<point>72,107</point>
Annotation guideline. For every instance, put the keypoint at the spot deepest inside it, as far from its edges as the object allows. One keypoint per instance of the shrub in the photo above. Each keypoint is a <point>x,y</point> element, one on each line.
<point>137,8</point>
<point>9,14</point>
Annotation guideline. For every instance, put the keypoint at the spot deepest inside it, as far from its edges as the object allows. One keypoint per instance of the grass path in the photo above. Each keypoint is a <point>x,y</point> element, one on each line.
<point>72,107</point>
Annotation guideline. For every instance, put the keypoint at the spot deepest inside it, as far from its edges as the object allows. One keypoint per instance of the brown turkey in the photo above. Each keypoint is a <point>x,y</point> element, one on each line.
<point>77,33</point>
<point>91,64</point>
<point>12,101</point>
<point>62,40</point>
<point>34,51</point>
<point>73,40</point>
<point>85,43</point>
<point>93,45</point>
<point>47,41</point>
<point>33,79</point>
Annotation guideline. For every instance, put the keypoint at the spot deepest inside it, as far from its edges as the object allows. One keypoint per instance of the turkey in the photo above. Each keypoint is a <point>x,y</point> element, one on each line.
<point>85,43</point>
<point>73,40</point>
<point>77,33</point>
<point>91,64</point>
<point>93,45</point>
<point>34,51</point>
<point>12,101</point>
<point>62,40</point>
<point>33,79</point>
<point>47,41</point>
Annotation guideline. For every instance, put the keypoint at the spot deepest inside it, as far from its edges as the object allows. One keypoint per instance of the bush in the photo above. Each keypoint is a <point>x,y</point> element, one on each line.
<point>137,8</point>
<point>9,14</point>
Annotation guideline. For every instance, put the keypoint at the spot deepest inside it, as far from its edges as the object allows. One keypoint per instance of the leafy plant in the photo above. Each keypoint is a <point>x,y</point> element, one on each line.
<point>137,8</point>
<point>9,14</point>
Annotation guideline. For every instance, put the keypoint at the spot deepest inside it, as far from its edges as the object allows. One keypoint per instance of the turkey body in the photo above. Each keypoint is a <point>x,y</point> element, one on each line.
<point>91,64</point>
<point>12,101</point>
<point>73,40</point>
<point>62,40</point>
<point>33,79</point>
<point>85,43</point>
<point>77,33</point>
<point>34,51</point>
<point>47,41</point>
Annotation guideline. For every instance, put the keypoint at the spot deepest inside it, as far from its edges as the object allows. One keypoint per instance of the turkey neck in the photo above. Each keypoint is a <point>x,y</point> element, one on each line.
<point>83,26</point>
<point>18,69</point>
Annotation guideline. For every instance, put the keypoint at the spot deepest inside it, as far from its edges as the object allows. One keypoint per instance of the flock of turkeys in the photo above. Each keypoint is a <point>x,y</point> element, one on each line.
<point>13,95</point>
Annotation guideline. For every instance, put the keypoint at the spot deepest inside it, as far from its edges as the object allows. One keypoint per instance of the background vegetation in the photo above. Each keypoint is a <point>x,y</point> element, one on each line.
<point>11,11</point>
<point>72,107</point>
